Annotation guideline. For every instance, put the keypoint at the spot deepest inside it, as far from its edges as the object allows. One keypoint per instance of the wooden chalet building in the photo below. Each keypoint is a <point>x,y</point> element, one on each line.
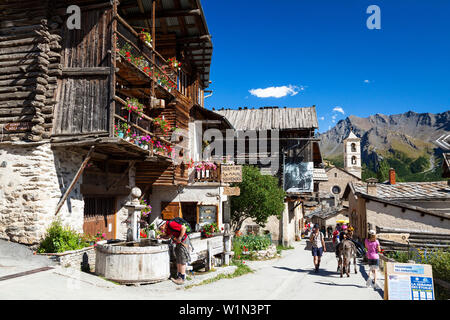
<point>87,114</point>
<point>285,146</point>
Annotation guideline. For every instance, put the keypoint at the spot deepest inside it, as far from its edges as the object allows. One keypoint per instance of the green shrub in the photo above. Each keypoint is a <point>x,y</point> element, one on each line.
<point>61,239</point>
<point>439,260</point>
<point>251,243</point>
<point>399,256</point>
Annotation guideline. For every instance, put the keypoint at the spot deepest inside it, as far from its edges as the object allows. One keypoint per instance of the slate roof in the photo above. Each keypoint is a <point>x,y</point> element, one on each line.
<point>269,118</point>
<point>325,213</point>
<point>409,190</point>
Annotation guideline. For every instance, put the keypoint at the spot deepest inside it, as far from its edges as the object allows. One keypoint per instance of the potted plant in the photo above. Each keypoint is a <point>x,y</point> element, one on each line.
<point>146,37</point>
<point>134,105</point>
<point>118,131</point>
<point>174,64</point>
<point>163,124</point>
<point>209,230</point>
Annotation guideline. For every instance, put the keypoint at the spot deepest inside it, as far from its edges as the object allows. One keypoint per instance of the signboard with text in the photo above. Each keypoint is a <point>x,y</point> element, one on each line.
<point>231,191</point>
<point>406,281</point>
<point>231,174</point>
<point>17,126</point>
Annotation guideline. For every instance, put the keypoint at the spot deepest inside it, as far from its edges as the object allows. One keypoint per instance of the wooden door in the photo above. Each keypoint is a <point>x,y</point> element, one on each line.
<point>100,216</point>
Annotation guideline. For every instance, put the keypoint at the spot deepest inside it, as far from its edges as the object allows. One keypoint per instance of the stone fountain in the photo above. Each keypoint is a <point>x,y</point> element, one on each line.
<point>135,261</point>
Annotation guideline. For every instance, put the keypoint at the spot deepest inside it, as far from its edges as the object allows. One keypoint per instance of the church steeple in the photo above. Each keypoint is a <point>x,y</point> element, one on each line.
<point>352,154</point>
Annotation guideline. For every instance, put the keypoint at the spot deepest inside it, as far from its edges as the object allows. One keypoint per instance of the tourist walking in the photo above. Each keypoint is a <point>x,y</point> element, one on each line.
<point>177,232</point>
<point>318,246</point>
<point>329,232</point>
<point>373,248</point>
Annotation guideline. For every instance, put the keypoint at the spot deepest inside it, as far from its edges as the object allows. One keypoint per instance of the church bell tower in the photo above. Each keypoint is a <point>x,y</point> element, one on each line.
<point>352,154</point>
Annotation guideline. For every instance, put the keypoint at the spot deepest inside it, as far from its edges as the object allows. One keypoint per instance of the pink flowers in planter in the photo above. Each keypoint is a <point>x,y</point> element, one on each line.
<point>205,165</point>
<point>134,105</point>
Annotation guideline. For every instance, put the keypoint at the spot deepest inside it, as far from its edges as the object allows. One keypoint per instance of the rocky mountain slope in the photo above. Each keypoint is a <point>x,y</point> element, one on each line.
<point>403,141</point>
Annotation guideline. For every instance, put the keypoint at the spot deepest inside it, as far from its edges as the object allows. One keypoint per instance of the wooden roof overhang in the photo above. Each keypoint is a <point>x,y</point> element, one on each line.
<point>184,18</point>
<point>107,148</point>
<point>199,113</point>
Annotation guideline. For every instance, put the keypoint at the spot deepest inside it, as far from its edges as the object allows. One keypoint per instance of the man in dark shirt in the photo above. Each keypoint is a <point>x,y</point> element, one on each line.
<point>177,232</point>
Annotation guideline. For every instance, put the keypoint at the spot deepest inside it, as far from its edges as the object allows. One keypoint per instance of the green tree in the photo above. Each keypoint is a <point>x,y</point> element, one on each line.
<point>260,198</point>
<point>383,171</point>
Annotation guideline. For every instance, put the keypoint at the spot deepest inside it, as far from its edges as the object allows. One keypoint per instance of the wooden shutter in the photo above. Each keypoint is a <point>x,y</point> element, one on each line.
<point>170,210</point>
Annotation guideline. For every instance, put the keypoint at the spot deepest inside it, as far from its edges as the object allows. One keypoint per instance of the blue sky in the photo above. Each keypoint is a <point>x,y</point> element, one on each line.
<point>317,52</point>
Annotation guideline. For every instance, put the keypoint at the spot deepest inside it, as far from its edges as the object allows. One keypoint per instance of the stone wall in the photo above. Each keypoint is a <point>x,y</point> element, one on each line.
<point>83,259</point>
<point>33,178</point>
<point>269,253</point>
<point>282,230</point>
<point>273,226</point>
<point>338,178</point>
<point>394,217</point>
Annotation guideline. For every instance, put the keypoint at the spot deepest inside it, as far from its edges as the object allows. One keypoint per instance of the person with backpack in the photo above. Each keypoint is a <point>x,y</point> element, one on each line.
<point>178,230</point>
<point>318,246</point>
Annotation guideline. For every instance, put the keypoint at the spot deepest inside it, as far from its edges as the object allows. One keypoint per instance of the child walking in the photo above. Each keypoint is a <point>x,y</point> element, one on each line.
<point>373,248</point>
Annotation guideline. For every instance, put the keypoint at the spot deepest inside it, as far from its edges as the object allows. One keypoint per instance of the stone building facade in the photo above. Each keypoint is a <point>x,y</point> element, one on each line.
<point>283,229</point>
<point>33,179</point>
<point>337,182</point>
<point>388,206</point>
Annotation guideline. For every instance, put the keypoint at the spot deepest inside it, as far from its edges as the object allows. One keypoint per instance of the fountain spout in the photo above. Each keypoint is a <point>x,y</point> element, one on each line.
<point>134,215</point>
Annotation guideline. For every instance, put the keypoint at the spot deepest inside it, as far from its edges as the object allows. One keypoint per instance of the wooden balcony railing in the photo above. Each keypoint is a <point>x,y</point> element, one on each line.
<point>134,126</point>
<point>207,172</point>
<point>135,53</point>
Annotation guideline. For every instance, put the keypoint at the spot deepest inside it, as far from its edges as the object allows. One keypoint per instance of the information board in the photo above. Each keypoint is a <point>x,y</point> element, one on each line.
<point>405,281</point>
<point>231,174</point>
<point>207,214</point>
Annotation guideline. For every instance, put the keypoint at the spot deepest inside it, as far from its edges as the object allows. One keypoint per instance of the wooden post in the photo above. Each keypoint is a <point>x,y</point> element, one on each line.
<point>112,102</point>
<point>153,49</point>
<point>208,266</point>
<point>75,179</point>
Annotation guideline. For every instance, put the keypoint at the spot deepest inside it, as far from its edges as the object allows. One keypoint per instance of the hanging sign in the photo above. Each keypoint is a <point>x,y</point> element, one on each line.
<point>231,191</point>
<point>406,281</point>
<point>231,174</point>
<point>17,126</point>
<point>395,237</point>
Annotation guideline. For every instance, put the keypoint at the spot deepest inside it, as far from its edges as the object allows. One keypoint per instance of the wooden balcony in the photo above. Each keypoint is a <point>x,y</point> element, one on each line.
<point>207,172</point>
<point>135,127</point>
<point>140,70</point>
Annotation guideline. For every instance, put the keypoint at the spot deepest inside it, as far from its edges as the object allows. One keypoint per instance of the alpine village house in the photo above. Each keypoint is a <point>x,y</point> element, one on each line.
<point>88,113</point>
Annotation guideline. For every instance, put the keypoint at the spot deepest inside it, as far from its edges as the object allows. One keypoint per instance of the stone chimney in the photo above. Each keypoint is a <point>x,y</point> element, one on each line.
<point>372,186</point>
<point>391,176</point>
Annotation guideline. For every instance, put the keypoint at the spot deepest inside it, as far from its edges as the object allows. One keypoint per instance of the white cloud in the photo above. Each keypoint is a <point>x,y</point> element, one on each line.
<point>339,109</point>
<point>322,118</point>
<point>276,92</point>
<point>366,81</point>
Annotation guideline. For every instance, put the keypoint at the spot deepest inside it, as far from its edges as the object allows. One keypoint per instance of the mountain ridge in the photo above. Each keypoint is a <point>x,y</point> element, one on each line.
<point>397,140</point>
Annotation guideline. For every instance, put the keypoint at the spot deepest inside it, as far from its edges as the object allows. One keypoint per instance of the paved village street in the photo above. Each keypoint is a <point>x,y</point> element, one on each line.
<point>289,277</point>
